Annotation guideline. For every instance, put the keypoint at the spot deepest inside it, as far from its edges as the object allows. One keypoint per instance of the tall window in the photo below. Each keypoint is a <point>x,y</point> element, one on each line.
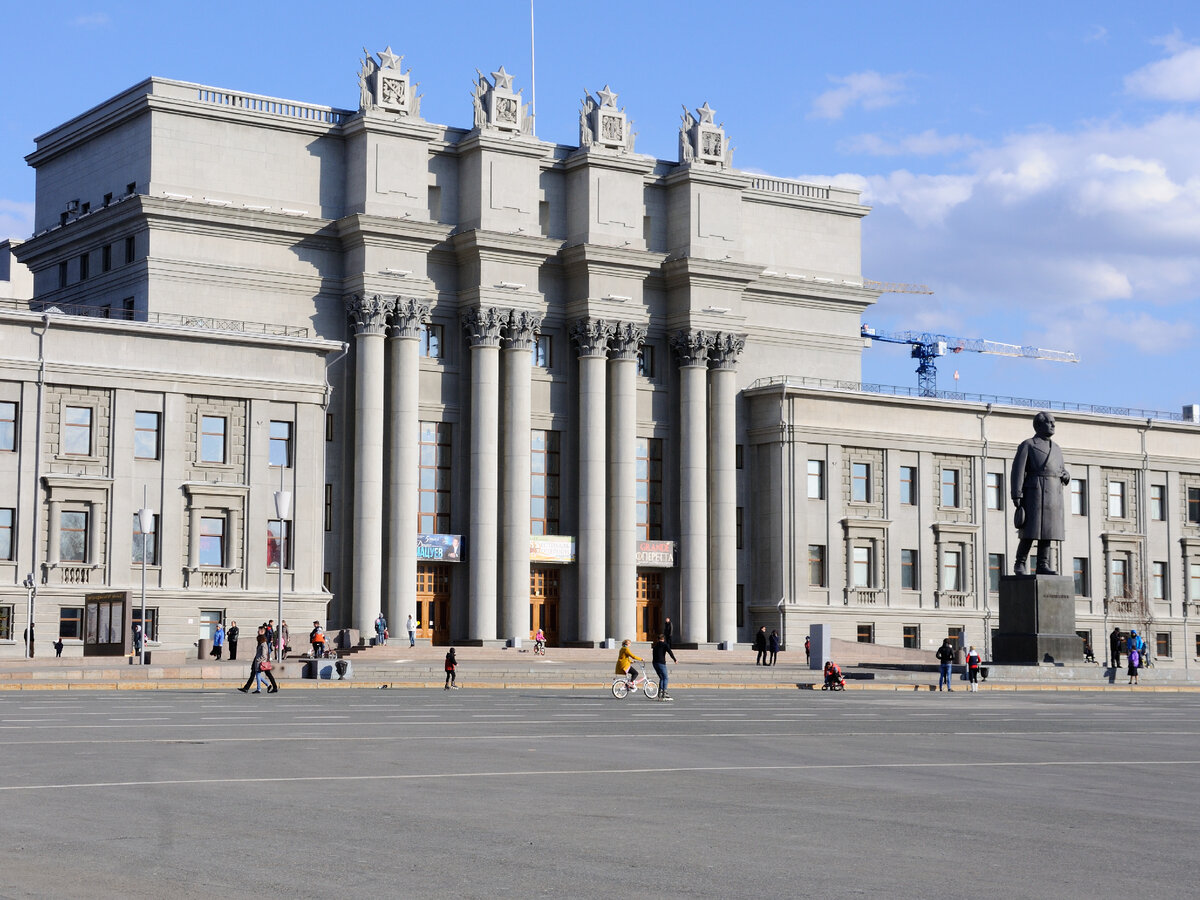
<point>816,479</point>
<point>1080,567</point>
<point>1079,496</point>
<point>543,482</point>
<point>212,439</point>
<point>8,426</point>
<point>860,482</point>
<point>281,444</point>
<point>329,507</point>
<point>649,488</point>
<point>69,622</point>
<point>1194,582</point>
<point>1162,644</point>
<point>1158,578</point>
<point>1158,502</point>
<point>645,360</point>
<point>83,267</point>
<point>866,632</point>
<point>737,528</point>
<point>145,435</point>
<point>950,487</point>
<point>1116,499</point>
<point>6,624</point>
<point>145,543</point>
<point>106,258</point>
<point>912,637</point>
<point>7,517</point>
<point>995,490</point>
<point>908,485</point>
<point>279,544</point>
<point>861,567</point>
<point>433,510</point>
<point>212,541</point>
<point>130,247</point>
<point>541,351</point>
<point>908,570</point>
<point>1193,505</point>
<point>995,570</point>
<point>430,341</point>
<point>77,430</point>
<point>951,570</point>
<point>1118,577</point>
<point>73,537</point>
<point>816,565</point>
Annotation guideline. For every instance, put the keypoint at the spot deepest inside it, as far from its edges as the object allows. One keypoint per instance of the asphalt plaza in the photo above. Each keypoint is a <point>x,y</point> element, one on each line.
<point>484,793</point>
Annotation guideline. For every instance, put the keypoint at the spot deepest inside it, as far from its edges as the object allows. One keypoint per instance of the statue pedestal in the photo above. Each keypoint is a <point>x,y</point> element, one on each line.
<point>1037,621</point>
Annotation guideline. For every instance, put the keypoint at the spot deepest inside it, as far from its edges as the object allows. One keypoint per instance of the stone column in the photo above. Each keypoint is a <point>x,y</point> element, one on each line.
<point>404,440</point>
<point>722,486</point>
<point>368,316</point>
<point>692,348</point>
<point>482,326</point>
<point>54,535</point>
<point>520,334</point>
<point>592,336</point>
<point>622,479</point>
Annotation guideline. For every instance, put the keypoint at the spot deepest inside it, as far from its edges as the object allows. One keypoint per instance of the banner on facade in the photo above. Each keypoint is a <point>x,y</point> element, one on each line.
<point>439,547</point>
<point>552,548</point>
<point>656,554</point>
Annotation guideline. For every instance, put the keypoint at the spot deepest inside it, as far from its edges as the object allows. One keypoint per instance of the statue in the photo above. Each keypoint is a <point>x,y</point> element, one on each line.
<point>1036,482</point>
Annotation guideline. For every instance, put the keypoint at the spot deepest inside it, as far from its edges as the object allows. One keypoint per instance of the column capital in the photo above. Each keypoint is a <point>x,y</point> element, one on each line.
<point>591,336</point>
<point>726,348</point>
<point>368,315</point>
<point>627,340</point>
<point>407,317</point>
<point>521,329</point>
<point>692,347</point>
<point>483,324</point>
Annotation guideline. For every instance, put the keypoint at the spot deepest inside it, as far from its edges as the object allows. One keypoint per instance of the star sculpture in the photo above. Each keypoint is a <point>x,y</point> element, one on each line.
<point>388,59</point>
<point>607,97</point>
<point>706,114</point>
<point>503,80</point>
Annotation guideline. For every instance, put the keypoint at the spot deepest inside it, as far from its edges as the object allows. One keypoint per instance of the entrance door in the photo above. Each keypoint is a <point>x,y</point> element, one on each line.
<point>433,603</point>
<point>543,604</point>
<point>649,606</point>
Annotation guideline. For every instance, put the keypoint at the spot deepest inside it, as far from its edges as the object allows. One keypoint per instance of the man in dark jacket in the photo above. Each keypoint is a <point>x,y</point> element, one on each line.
<point>1114,648</point>
<point>659,651</point>
<point>760,645</point>
<point>668,632</point>
<point>231,638</point>
<point>945,657</point>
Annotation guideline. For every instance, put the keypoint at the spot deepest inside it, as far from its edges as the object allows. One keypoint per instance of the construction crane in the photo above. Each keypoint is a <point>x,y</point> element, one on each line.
<point>928,347</point>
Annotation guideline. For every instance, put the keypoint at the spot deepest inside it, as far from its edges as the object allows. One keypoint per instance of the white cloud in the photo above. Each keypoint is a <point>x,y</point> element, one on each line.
<point>869,89</point>
<point>927,143</point>
<point>90,20</point>
<point>1096,33</point>
<point>16,219</point>
<point>1174,79</point>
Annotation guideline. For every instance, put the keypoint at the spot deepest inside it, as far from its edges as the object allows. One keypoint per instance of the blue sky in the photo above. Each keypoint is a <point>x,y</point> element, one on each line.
<point>1035,164</point>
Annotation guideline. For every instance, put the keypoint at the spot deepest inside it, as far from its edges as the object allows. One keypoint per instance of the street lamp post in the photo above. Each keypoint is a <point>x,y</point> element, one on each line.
<point>145,526</point>
<point>30,591</point>
<point>782,624</point>
<point>283,507</point>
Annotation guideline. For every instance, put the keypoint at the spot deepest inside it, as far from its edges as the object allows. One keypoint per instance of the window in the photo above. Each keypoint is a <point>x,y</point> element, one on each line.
<point>649,491</point>
<point>1193,581</point>
<point>83,267</point>
<point>1162,644</point>
<point>1080,570</point>
<point>1118,577</point>
<point>212,541</point>
<point>69,619</point>
<point>816,479</point>
<point>130,247</point>
<point>77,431</point>
<point>129,189</point>
<point>8,426</point>
<point>861,567</point>
<point>737,528</point>
<point>816,565</point>
<point>645,361</point>
<point>73,537</point>
<point>739,459</point>
<point>866,632</point>
<point>145,435</point>
<point>1158,502</point>
<point>908,485</point>
<point>106,258</point>
<point>281,444</point>
<point>543,482</point>
<point>541,351</point>
<point>1116,499</point>
<point>150,628</point>
<point>145,543</point>
<point>955,633</point>
<point>430,340</point>
<point>740,600</point>
<point>107,198</point>
<point>1079,496</point>
<point>1193,505</point>
<point>7,517</point>
<point>329,507</point>
<point>912,637</point>
<point>951,570</point>
<point>908,570</point>
<point>127,308</point>
<point>6,624</point>
<point>212,439</point>
<point>433,505</point>
<point>328,426</point>
<point>995,490</point>
<point>995,570</point>
<point>279,545</point>
<point>62,272</point>
<point>950,493</point>
<point>860,482</point>
<point>1158,579</point>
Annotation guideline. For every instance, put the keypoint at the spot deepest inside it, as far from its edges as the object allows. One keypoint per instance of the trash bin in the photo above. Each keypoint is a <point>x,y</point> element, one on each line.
<point>203,648</point>
<point>983,672</point>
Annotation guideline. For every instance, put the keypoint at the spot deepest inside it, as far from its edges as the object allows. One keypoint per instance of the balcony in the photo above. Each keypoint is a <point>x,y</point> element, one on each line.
<point>951,599</point>
<point>865,597</point>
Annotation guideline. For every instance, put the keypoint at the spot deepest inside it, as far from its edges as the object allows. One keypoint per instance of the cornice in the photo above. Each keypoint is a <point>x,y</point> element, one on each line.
<point>615,260</point>
<point>692,173</point>
<point>477,141</point>
<point>721,272</point>
<point>495,245</point>
<point>590,157</point>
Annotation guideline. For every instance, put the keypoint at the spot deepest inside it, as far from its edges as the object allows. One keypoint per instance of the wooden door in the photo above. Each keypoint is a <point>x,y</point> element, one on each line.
<point>543,604</point>
<point>433,603</point>
<point>649,606</point>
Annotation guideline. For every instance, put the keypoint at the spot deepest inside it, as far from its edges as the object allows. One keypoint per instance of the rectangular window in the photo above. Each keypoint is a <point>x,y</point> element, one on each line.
<point>8,426</point>
<point>950,492</point>
<point>912,637</point>
<point>951,570</point>
<point>83,267</point>
<point>7,520</point>
<point>739,461</point>
<point>328,426</point>
<point>861,567</point>
<point>816,565</point>
<point>329,507</point>
<point>649,489</point>
<point>130,247</point>
<point>543,482</point>
<point>1118,577</point>
<point>995,570</point>
<point>1158,502</point>
<point>279,544</point>
<point>73,537</point>
<point>908,570</point>
<point>737,528</point>
<point>816,479</point>
<point>433,504</point>
<point>1079,496</point>
<point>212,439</point>
<point>1080,570</point>
<point>212,541</point>
<point>1162,644</point>
<point>541,351</point>
<point>106,258</point>
<point>430,341</point>
<point>62,274</point>
<point>1116,499</point>
<point>1193,505</point>
<point>6,624</point>
<point>281,444</point>
<point>69,619</point>
<point>77,430</point>
<point>127,307</point>
<point>908,485</point>
<point>150,626</point>
<point>740,599</point>
<point>1158,579</point>
<point>860,482</point>
<point>645,361</point>
<point>147,542</point>
<point>995,490</point>
<point>866,632</point>
<point>145,435</point>
<point>1193,581</point>
<point>955,633</point>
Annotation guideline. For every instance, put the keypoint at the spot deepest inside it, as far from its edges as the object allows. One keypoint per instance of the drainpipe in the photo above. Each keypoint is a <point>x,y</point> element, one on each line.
<point>981,497</point>
<point>31,581</point>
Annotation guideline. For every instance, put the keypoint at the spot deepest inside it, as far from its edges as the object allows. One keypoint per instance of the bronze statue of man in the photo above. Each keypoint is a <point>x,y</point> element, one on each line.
<point>1036,482</point>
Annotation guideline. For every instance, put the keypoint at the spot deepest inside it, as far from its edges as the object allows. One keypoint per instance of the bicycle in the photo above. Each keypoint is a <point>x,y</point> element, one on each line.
<point>621,687</point>
<point>539,648</point>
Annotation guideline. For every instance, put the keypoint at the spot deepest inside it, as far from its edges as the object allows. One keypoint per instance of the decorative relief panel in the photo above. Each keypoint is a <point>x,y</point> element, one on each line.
<point>601,124</point>
<point>498,107</point>
<point>383,86</point>
<point>701,140</point>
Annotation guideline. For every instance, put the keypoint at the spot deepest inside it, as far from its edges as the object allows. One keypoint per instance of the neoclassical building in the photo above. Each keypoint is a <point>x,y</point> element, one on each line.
<point>585,389</point>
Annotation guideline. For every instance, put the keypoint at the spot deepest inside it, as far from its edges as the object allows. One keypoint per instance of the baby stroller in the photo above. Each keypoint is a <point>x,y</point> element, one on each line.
<point>833,678</point>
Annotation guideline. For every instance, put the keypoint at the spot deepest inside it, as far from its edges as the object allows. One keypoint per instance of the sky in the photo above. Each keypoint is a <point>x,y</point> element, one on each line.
<point>1034,164</point>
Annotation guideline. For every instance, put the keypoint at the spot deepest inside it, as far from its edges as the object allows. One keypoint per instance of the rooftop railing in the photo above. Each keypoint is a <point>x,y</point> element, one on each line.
<point>205,323</point>
<point>273,106</point>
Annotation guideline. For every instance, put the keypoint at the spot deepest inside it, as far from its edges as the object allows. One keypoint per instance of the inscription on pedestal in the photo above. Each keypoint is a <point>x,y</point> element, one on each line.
<point>1037,621</point>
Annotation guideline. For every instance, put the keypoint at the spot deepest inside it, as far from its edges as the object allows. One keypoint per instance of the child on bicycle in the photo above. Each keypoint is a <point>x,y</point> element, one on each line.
<point>539,642</point>
<point>625,665</point>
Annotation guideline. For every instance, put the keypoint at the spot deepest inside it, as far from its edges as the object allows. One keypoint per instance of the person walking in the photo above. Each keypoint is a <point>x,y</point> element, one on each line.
<point>218,646</point>
<point>262,653</point>
<point>1114,647</point>
<point>412,632</point>
<point>945,657</point>
<point>1135,662</point>
<point>451,668</point>
<point>807,650</point>
<point>283,639</point>
<point>668,632</point>
<point>137,641</point>
<point>380,630</point>
<point>773,646</point>
<point>760,646</point>
<point>659,651</point>
<point>272,635</point>
<point>58,647</point>
<point>231,638</point>
<point>973,669</point>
